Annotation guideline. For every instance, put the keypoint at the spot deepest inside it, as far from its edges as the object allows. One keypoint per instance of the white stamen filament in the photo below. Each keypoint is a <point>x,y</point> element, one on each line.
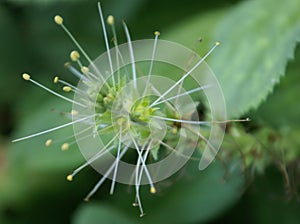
<point>199,122</point>
<point>93,191</point>
<point>55,93</point>
<point>143,162</point>
<point>152,60</point>
<point>117,163</point>
<point>106,43</point>
<point>186,74</point>
<point>73,88</point>
<point>53,129</point>
<point>131,55</point>
<point>183,94</point>
<point>94,158</point>
<point>187,121</point>
<point>75,72</point>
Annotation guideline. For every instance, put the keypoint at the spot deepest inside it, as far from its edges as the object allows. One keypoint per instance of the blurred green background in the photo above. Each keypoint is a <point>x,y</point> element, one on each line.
<point>258,66</point>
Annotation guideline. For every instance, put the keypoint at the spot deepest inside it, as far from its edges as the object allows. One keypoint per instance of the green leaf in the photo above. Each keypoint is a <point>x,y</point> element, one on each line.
<point>258,38</point>
<point>198,27</point>
<point>32,154</point>
<point>282,108</point>
<point>100,213</point>
<point>195,197</point>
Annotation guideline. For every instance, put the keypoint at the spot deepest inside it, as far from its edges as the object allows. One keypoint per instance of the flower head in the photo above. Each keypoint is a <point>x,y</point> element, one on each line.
<point>120,106</point>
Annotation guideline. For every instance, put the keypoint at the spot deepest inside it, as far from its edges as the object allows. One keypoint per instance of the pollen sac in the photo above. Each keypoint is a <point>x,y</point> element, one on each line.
<point>84,69</point>
<point>110,20</point>
<point>48,142</point>
<point>65,147</point>
<point>26,76</point>
<point>67,89</point>
<point>55,80</point>
<point>74,55</point>
<point>58,20</point>
<point>70,177</point>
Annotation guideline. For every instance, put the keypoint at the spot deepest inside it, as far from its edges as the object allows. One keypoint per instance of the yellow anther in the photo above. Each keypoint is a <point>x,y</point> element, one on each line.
<point>67,88</point>
<point>74,55</point>
<point>110,20</point>
<point>218,43</point>
<point>26,76</point>
<point>67,64</point>
<point>84,69</point>
<point>70,177</point>
<point>58,20</point>
<point>156,33</point>
<point>174,131</point>
<point>64,146</point>
<point>48,142</point>
<point>55,80</point>
<point>74,112</point>
<point>152,190</point>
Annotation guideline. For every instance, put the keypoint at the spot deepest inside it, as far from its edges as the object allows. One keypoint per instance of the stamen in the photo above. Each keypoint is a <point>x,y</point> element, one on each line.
<point>200,122</point>
<point>74,55</point>
<point>110,20</point>
<point>106,41</point>
<point>183,94</point>
<point>65,147</point>
<point>117,162</point>
<point>70,177</point>
<point>143,162</point>
<point>93,191</point>
<point>48,142</point>
<point>27,78</point>
<point>85,70</point>
<point>53,129</point>
<point>74,112</point>
<point>59,21</point>
<point>156,33</point>
<point>131,55</point>
<point>56,79</point>
<point>67,89</point>
<point>186,74</point>
<point>95,157</point>
<point>152,188</point>
<point>137,183</point>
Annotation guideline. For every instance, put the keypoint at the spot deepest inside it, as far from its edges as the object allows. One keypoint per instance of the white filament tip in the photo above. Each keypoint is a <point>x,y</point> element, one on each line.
<point>58,20</point>
<point>110,20</point>
<point>74,55</point>
<point>218,43</point>
<point>26,76</point>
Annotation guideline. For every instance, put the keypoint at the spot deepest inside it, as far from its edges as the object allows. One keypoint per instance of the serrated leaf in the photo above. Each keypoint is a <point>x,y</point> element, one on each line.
<point>282,108</point>
<point>259,37</point>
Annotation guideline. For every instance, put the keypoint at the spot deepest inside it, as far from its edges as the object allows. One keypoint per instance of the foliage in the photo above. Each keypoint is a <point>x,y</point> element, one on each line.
<point>258,68</point>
